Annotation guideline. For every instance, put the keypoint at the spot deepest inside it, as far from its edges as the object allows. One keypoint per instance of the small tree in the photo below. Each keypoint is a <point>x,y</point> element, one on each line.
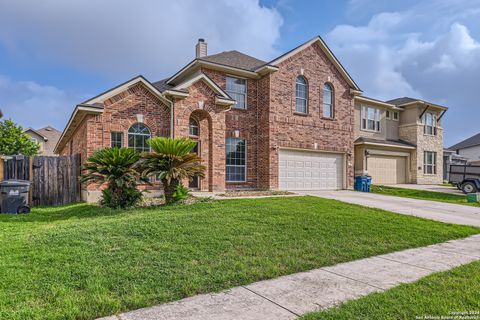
<point>172,161</point>
<point>116,168</point>
<point>14,141</point>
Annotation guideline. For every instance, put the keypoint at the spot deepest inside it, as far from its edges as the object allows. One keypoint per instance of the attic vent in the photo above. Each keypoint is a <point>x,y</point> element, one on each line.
<point>201,48</point>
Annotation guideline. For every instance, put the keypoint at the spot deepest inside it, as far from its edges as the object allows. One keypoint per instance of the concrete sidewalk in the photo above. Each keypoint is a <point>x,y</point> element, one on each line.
<point>433,210</point>
<point>291,296</point>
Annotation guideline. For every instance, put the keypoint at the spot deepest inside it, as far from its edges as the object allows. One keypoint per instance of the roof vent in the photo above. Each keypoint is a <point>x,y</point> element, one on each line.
<point>201,48</point>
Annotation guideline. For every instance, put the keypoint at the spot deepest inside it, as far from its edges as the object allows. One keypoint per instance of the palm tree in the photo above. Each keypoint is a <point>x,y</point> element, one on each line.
<point>116,168</point>
<point>172,161</point>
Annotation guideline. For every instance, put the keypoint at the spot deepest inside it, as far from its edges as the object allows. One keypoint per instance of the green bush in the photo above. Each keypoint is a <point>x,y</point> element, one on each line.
<point>181,193</point>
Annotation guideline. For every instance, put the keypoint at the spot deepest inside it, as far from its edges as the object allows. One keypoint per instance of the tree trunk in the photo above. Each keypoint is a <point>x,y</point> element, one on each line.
<point>169,190</point>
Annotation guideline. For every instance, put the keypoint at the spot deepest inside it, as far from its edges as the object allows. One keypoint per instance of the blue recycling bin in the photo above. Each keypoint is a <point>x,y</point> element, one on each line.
<point>358,185</point>
<point>362,183</point>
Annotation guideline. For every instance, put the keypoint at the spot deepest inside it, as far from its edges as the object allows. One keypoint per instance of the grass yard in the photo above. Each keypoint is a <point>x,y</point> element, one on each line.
<point>423,195</point>
<point>82,262</point>
<point>444,294</point>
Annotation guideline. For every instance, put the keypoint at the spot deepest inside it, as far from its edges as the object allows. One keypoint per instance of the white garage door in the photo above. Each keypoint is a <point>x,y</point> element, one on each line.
<point>307,170</point>
<point>387,169</point>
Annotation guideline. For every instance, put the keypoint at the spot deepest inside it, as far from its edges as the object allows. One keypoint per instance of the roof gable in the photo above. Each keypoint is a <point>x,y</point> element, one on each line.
<point>467,143</point>
<point>327,52</point>
<point>203,77</point>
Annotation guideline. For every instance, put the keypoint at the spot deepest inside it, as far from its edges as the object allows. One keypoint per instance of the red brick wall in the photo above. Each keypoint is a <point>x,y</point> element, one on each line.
<point>288,129</point>
<point>212,117</point>
<point>245,121</point>
<point>119,114</point>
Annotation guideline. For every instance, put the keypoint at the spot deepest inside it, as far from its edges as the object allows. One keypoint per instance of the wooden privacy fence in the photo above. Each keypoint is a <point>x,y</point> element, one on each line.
<point>54,179</point>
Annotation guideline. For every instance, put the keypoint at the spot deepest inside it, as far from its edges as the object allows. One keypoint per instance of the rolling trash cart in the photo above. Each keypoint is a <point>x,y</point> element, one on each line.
<point>14,196</point>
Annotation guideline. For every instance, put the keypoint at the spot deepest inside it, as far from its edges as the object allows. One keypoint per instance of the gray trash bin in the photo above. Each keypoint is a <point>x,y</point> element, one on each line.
<point>14,196</point>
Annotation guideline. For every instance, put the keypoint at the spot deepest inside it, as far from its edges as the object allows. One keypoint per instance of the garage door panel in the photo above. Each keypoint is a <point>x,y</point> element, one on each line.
<point>387,169</point>
<point>306,170</point>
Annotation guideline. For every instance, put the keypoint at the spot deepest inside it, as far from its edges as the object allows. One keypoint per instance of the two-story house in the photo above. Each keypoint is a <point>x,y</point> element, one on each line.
<point>288,123</point>
<point>47,139</point>
<point>399,141</point>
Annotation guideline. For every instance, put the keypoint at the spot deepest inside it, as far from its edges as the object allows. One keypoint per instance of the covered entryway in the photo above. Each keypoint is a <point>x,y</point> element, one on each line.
<point>310,170</point>
<point>387,169</point>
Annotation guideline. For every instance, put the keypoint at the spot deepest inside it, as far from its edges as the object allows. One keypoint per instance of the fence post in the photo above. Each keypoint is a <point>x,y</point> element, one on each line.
<point>30,176</point>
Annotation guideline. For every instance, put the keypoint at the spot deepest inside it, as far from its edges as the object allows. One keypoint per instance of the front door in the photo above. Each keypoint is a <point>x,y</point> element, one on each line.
<point>195,182</point>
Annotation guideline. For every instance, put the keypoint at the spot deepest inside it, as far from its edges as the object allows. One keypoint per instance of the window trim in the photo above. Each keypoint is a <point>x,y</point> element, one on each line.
<point>245,94</point>
<point>433,165</point>
<point>190,126</point>
<point>398,116</point>
<point>306,96</point>
<point>332,101</point>
<point>111,139</point>
<point>244,166</point>
<point>150,136</point>
<point>364,112</point>
<point>426,126</point>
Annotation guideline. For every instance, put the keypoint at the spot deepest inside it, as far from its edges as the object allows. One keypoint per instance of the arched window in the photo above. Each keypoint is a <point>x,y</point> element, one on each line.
<point>327,100</point>
<point>193,128</point>
<point>301,93</point>
<point>138,134</point>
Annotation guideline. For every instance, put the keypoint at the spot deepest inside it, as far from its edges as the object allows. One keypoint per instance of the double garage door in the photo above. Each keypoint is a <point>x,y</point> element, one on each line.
<point>307,170</point>
<point>387,169</point>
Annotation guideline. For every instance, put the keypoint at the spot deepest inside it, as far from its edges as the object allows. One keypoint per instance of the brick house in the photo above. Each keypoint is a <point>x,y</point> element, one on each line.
<point>284,124</point>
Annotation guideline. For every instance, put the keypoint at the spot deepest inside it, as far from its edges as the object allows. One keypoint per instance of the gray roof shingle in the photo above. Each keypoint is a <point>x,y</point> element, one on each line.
<point>467,143</point>
<point>235,59</point>
<point>400,101</point>
<point>399,142</point>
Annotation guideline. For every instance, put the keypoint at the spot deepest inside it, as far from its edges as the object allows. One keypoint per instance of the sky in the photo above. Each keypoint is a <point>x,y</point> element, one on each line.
<point>55,54</point>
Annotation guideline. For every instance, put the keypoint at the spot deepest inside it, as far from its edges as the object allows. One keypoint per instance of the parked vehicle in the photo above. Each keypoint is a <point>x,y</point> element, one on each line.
<point>465,177</point>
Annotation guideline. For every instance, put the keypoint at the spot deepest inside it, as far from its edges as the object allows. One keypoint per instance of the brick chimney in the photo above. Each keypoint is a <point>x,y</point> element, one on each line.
<point>201,48</point>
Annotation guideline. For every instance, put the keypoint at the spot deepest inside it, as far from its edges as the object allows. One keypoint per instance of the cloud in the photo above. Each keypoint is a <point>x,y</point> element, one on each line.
<point>121,38</point>
<point>35,105</point>
<point>435,58</point>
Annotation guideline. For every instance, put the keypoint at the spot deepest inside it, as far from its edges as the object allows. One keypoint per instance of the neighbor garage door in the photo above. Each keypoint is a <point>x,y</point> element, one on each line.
<point>387,169</point>
<point>307,170</point>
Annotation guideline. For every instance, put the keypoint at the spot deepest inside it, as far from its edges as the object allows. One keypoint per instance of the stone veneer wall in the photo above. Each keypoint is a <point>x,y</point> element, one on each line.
<point>414,133</point>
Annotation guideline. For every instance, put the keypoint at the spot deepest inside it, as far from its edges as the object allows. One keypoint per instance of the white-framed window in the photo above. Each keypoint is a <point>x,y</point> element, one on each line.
<point>429,162</point>
<point>301,95</point>
<point>370,119</point>
<point>193,128</point>
<point>396,115</point>
<point>116,139</point>
<point>236,160</point>
<point>237,90</point>
<point>138,134</point>
<point>429,121</point>
<point>328,100</point>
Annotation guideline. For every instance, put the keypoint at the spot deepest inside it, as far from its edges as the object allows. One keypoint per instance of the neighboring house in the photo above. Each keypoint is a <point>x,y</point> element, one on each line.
<point>46,137</point>
<point>284,124</point>
<point>399,141</point>
<point>450,157</point>
<point>468,148</point>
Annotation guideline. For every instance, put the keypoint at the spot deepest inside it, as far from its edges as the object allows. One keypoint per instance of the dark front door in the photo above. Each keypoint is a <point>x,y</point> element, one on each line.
<point>195,182</point>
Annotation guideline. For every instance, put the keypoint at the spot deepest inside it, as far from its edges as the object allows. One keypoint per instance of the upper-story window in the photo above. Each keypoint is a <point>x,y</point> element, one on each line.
<point>301,94</point>
<point>430,123</point>
<point>370,119</point>
<point>327,100</point>
<point>193,128</point>
<point>396,115</point>
<point>138,134</point>
<point>237,90</point>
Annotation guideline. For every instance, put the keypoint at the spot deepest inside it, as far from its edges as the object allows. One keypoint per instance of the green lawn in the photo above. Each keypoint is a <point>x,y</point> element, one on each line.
<point>441,294</point>
<point>423,195</point>
<point>81,261</point>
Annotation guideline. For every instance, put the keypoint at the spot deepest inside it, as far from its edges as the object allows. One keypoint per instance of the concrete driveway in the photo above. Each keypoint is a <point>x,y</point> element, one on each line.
<point>427,187</point>
<point>433,210</point>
